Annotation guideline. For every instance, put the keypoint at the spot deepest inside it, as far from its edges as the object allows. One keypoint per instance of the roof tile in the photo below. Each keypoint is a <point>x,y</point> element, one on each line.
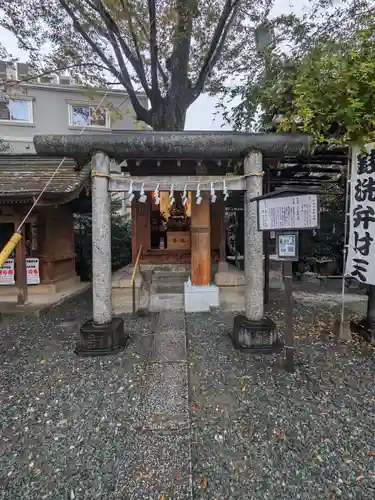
<point>28,174</point>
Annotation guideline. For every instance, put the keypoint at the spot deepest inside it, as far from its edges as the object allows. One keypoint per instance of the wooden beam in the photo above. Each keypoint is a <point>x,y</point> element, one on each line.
<point>200,243</point>
<point>21,274</point>
<point>15,219</point>
<point>118,183</point>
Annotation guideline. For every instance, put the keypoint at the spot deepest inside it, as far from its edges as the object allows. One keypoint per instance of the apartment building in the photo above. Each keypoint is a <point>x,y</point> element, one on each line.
<point>57,104</point>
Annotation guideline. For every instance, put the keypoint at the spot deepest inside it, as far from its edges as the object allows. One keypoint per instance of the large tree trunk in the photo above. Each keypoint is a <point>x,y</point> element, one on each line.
<point>171,123</point>
<point>171,114</point>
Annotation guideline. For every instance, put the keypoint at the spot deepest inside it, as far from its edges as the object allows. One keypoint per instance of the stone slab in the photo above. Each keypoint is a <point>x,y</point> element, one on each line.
<point>172,283</point>
<point>144,300</point>
<point>230,278</point>
<point>42,289</point>
<point>125,281</point>
<point>232,298</point>
<point>201,298</point>
<point>170,337</point>
<point>166,301</point>
<point>165,403</point>
<point>122,300</point>
<point>39,303</point>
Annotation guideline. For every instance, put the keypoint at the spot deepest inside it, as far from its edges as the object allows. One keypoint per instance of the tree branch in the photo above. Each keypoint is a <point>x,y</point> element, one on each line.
<point>163,74</point>
<point>155,91</point>
<point>217,43</point>
<point>134,37</point>
<point>141,113</point>
<point>111,24</point>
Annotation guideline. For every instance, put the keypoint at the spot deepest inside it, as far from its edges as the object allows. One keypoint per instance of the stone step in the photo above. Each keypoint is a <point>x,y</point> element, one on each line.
<point>170,278</point>
<point>166,302</point>
<point>171,283</point>
<point>168,288</point>
<point>171,269</point>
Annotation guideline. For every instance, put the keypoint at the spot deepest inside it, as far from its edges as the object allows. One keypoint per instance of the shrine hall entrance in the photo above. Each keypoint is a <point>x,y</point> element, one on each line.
<point>167,231</point>
<point>170,222</point>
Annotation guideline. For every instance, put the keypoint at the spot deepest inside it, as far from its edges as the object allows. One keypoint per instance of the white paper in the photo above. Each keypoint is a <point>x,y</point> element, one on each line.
<point>7,273</point>
<point>290,212</point>
<point>360,263</point>
<point>32,271</point>
<point>287,245</point>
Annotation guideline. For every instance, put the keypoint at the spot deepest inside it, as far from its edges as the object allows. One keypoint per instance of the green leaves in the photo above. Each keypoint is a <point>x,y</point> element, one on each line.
<point>333,92</point>
<point>322,84</point>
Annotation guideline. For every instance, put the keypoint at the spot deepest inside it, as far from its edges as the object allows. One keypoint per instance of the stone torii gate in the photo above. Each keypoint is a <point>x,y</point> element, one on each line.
<point>199,145</point>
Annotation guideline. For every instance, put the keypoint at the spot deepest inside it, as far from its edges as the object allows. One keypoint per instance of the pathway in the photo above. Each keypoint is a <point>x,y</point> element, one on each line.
<point>161,462</point>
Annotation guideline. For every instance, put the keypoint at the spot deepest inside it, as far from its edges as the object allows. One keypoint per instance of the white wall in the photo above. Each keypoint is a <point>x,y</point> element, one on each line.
<point>50,113</point>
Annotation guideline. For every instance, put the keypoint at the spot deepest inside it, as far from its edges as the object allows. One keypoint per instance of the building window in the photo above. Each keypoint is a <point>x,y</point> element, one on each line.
<point>88,116</point>
<point>16,110</point>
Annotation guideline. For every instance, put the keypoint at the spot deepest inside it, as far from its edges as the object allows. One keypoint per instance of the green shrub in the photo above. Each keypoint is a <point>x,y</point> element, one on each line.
<point>121,243</point>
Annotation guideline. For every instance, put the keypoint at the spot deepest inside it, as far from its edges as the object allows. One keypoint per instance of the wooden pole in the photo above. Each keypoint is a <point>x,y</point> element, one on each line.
<point>200,242</point>
<point>21,274</point>
<point>266,239</point>
<point>289,334</point>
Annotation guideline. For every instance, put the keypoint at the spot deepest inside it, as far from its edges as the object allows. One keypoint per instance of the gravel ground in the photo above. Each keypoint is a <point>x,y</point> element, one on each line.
<point>261,433</point>
<point>71,428</point>
<point>65,421</point>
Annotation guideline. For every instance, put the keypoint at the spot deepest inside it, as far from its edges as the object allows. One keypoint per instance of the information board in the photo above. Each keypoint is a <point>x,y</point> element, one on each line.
<point>288,212</point>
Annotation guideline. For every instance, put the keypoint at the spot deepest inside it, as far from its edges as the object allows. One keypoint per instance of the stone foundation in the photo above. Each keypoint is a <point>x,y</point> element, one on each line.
<point>200,298</point>
<point>231,283</point>
<point>56,287</point>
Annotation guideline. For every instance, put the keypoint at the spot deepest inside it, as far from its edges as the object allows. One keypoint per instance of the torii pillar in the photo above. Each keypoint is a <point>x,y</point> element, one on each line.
<point>253,331</point>
<point>103,334</point>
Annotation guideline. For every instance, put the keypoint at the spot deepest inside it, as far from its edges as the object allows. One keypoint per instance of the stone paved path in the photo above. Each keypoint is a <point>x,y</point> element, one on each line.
<point>161,462</point>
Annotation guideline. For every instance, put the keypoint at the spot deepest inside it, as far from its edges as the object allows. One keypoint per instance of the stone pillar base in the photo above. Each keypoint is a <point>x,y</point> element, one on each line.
<point>364,329</point>
<point>101,340</point>
<point>201,298</point>
<point>256,336</point>
<point>342,330</point>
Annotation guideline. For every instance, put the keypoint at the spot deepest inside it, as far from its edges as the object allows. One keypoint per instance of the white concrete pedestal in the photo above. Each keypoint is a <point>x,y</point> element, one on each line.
<point>200,298</point>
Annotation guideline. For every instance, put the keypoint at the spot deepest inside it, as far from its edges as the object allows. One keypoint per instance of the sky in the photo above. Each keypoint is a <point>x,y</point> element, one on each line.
<point>202,114</point>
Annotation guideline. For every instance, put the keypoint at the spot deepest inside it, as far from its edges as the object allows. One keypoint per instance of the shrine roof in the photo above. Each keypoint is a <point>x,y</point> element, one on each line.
<point>286,191</point>
<point>190,144</point>
<point>26,175</point>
